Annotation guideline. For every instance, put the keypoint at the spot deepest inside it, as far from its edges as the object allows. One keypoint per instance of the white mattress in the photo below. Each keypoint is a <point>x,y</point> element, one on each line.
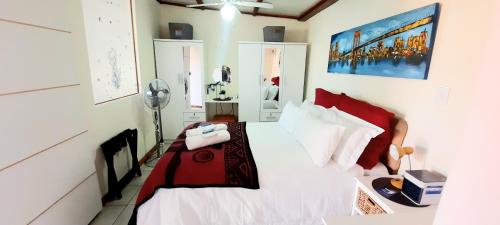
<point>292,190</point>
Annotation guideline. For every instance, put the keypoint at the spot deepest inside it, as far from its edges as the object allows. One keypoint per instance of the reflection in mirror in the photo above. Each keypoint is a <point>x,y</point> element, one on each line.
<point>217,75</point>
<point>222,74</point>
<point>221,77</point>
<point>193,79</point>
<point>272,70</point>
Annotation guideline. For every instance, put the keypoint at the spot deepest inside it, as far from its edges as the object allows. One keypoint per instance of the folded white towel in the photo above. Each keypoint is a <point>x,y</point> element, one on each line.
<point>205,129</point>
<point>199,141</point>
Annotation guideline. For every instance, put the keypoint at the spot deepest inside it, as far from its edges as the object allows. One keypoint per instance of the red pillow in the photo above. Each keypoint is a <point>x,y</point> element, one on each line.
<point>276,81</point>
<point>326,99</point>
<point>374,115</point>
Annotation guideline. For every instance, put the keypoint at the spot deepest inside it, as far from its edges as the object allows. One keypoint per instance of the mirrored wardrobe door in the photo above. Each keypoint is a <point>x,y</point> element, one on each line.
<point>272,73</point>
<point>193,77</point>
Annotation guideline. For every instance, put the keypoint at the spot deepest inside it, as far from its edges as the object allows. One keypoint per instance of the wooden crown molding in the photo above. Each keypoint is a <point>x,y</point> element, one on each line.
<point>256,9</point>
<point>312,11</point>
<point>315,9</point>
<point>200,2</point>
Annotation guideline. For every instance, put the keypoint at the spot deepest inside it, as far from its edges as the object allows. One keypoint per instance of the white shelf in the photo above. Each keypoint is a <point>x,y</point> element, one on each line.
<point>388,205</point>
<point>178,40</point>
<point>232,101</point>
<point>397,214</point>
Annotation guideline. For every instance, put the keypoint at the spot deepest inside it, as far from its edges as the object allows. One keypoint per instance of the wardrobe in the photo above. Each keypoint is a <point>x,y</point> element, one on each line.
<point>270,75</point>
<point>181,64</point>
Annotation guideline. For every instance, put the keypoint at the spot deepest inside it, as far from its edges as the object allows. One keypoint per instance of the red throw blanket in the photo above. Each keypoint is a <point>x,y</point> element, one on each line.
<point>228,164</point>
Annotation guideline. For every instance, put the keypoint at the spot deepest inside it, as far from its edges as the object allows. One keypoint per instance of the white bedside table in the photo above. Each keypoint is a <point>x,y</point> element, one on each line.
<point>369,207</point>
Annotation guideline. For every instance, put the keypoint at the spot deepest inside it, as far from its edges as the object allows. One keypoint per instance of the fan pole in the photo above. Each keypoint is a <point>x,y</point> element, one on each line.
<point>156,96</point>
<point>159,134</point>
<point>159,139</point>
<point>160,121</point>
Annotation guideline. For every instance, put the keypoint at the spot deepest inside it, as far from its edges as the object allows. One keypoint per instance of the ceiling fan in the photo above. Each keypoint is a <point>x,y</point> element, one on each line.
<point>229,9</point>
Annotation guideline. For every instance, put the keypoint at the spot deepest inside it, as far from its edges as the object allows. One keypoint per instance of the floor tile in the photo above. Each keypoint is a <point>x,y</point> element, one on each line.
<point>146,168</point>
<point>118,212</point>
<point>127,194</point>
<point>108,215</point>
<point>124,216</point>
<point>132,201</point>
<point>139,181</point>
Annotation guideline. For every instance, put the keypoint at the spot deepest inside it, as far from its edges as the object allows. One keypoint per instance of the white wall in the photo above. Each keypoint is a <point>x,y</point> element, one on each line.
<point>111,118</point>
<point>46,168</point>
<point>433,128</point>
<point>471,195</point>
<point>51,166</point>
<point>221,39</point>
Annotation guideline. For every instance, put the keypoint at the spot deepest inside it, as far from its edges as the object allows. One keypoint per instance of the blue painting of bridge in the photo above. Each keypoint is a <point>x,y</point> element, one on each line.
<point>398,46</point>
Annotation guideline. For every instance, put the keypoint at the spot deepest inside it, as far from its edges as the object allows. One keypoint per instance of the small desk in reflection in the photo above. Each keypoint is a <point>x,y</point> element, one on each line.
<point>222,111</point>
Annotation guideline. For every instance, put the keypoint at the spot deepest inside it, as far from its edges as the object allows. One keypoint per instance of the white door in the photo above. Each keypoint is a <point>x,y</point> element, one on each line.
<point>249,72</point>
<point>170,67</point>
<point>294,70</point>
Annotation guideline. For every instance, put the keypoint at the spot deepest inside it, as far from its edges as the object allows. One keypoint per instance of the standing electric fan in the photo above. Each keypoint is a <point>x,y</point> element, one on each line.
<point>156,97</point>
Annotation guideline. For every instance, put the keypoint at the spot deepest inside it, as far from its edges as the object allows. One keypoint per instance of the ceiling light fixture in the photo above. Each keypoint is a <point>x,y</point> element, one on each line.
<point>228,11</point>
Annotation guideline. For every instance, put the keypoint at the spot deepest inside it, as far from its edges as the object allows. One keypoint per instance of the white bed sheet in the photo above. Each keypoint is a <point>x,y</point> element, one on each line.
<point>292,190</point>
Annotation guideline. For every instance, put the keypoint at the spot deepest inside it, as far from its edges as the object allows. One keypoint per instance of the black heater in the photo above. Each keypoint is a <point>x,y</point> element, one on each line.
<point>274,33</point>
<point>181,31</point>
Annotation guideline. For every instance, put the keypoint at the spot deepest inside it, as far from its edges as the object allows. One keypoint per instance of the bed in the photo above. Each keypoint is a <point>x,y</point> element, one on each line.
<point>292,189</point>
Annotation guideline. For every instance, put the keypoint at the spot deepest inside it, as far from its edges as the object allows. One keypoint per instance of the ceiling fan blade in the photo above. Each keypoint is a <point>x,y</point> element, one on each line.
<point>265,5</point>
<point>206,4</point>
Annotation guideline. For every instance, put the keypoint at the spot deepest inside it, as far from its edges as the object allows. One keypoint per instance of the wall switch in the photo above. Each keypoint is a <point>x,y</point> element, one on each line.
<point>442,95</point>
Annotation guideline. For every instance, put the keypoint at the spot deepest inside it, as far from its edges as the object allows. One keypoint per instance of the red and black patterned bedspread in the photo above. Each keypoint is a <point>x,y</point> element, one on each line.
<point>228,164</point>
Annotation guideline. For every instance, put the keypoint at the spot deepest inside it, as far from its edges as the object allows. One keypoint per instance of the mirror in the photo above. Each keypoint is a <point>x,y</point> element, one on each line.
<point>271,81</point>
<point>222,75</point>
<point>193,80</point>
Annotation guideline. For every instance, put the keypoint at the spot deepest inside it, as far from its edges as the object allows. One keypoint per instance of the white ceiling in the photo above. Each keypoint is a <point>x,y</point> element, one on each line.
<point>289,7</point>
<point>281,7</point>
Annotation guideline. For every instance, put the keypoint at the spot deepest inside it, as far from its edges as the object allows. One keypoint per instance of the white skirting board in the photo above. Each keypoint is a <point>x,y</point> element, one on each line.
<point>79,207</point>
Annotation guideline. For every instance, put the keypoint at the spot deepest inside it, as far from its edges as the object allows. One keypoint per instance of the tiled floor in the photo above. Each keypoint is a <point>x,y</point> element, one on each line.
<point>118,212</point>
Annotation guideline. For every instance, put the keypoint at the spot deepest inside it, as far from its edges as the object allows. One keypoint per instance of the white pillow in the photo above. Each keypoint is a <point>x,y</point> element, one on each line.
<point>357,135</point>
<point>289,117</point>
<point>315,110</point>
<point>319,138</point>
<point>265,92</point>
<point>273,92</point>
<point>270,104</point>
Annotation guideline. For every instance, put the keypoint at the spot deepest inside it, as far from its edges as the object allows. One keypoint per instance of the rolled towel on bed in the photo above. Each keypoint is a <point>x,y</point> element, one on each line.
<point>205,129</point>
<point>199,141</point>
